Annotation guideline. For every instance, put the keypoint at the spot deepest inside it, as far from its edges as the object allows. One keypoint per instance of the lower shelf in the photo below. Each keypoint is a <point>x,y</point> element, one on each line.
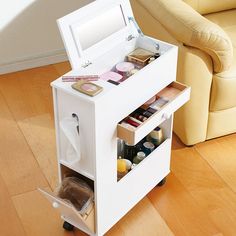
<point>158,161</point>
<point>70,214</point>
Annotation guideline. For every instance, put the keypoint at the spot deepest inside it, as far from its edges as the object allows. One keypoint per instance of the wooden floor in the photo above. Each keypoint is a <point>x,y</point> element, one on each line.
<point>198,199</point>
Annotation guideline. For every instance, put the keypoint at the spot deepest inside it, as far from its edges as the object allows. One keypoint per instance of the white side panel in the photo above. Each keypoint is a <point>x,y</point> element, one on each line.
<point>66,106</point>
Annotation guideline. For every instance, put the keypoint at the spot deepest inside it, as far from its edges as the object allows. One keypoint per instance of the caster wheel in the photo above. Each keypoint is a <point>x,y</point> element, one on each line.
<point>67,226</point>
<point>163,181</point>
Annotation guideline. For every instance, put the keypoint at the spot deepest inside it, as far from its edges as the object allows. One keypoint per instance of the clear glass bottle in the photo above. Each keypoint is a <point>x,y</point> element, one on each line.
<point>140,156</point>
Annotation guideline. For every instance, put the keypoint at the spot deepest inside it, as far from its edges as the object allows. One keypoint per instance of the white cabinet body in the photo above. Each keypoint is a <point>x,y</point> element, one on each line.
<point>96,154</point>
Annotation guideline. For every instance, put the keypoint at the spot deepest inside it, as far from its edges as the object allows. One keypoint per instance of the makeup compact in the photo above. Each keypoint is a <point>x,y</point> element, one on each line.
<point>88,88</point>
<point>124,69</point>
<point>140,56</point>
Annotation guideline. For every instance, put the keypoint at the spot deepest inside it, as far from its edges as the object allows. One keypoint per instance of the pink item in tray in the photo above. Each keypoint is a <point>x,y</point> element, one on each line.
<point>110,75</point>
<point>124,68</point>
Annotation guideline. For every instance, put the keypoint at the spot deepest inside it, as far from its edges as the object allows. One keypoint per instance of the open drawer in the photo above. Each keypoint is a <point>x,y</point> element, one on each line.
<point>85,222</point>
<point>177,97</point>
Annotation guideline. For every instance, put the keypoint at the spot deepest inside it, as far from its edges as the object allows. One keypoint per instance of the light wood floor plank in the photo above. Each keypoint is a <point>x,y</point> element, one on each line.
<point>62,68</point>
<point>142,220</point>
<point>207,188</point>
<point>221,156</point>
<point>37,215</point>
<point>19,169</point>
<point>28,93</point>
<point>10,222</point>
<point>180,210</point>
<point>40,135</point>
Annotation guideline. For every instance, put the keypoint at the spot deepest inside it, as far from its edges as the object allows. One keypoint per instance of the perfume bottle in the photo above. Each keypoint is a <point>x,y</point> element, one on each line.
<point>156,136</point>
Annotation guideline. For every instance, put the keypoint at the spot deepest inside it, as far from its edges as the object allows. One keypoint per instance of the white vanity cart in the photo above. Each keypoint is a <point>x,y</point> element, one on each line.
<point>97,37</point>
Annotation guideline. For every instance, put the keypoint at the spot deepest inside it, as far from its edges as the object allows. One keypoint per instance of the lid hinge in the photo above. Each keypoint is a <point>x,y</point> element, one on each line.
<point>87,63</point>
<point>140,32</point>
<point>136,26</point>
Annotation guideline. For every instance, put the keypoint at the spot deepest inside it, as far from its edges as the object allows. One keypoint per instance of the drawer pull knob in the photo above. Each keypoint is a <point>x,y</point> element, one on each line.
<point>55,204</point>
<point>166,116</point>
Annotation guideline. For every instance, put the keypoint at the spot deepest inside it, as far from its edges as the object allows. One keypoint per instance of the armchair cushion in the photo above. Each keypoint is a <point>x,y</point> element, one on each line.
<point>189,27</point>
<point>223,92</point>
<point>210,6</point>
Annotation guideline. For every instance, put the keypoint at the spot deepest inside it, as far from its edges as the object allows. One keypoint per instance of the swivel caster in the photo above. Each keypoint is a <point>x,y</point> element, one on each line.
<point>162,182</point>
<point>67,226</point>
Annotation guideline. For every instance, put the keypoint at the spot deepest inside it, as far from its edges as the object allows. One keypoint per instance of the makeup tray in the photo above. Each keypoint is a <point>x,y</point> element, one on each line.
<point>97,37</point>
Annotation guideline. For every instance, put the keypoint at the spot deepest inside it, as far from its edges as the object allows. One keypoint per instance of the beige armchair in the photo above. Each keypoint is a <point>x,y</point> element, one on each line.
<point>205,32</point>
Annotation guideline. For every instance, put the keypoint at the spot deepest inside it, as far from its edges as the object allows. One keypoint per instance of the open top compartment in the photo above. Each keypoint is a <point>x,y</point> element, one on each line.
<point>109,60</point>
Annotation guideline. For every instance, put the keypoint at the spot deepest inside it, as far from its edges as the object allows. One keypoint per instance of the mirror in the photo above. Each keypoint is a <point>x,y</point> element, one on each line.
<point>100,27</point>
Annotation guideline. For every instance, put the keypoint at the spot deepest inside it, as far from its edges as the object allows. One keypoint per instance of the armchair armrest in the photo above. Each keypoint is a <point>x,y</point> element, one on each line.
<point>192,29</point>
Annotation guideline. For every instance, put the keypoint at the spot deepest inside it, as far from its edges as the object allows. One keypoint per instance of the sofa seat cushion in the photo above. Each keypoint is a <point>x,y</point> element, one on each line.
<point>223,94</point>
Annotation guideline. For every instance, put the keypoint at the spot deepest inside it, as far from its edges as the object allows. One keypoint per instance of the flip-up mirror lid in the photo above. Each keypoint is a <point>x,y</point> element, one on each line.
<point>95,29</point>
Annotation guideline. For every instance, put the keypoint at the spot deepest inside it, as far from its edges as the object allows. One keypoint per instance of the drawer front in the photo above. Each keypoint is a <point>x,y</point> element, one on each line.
<point>133,136</point>
<point>67,211</point>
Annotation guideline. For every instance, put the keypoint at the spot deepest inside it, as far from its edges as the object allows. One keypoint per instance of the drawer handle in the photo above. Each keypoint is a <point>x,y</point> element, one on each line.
<point>55,204</point>
<point>166,116</point>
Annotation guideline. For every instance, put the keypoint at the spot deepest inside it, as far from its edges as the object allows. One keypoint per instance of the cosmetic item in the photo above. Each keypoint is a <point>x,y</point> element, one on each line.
<point>141,114</point>
<point>68,78</point>
<point>135,120</point>
<point>112,76</point>
<point>132,122</point>
<point>157,54</point>
<point>113,82</point>
<point>148,147</point>
<point>130,151</point>
<point>149,102</point>
<point>147,114</point>
<point>121,168</point>
<point>140,56</point>
<point>134,71</point>
<point>128,164</point>
<point>139,157</point>
<point>156,136</point>
<point>120,148</point>
<point>159,103</point>
<point>152,110</point>
<point>88,88</point>
<point>128,126</point>
<point>151,60</point>
<point>139,145</point>
<point>133,166</point>
<point>120,163</point>
<point>124,68</point>
<point>140,117</point>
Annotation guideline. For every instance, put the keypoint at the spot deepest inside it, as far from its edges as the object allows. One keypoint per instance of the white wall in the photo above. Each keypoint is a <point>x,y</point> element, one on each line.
<point>29,36</point>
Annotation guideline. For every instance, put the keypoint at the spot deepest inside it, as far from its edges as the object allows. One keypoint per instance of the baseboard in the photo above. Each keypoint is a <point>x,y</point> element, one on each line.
<point>32,62</point>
